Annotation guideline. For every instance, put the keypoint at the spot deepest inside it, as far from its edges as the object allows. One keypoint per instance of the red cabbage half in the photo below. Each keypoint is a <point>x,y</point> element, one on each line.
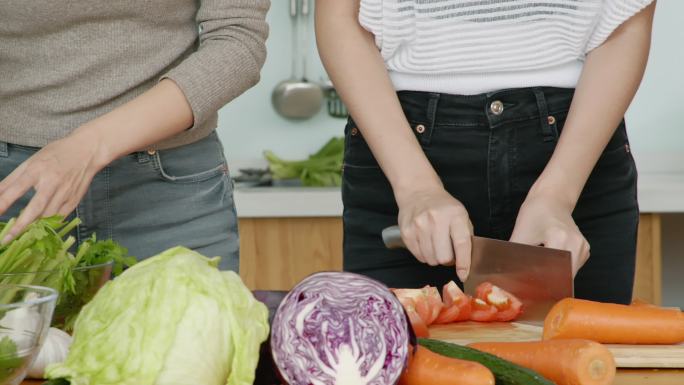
<point>340,329</point>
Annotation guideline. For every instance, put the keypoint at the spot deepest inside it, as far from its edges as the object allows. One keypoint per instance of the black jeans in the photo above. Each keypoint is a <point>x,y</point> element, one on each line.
<point>488,150</point>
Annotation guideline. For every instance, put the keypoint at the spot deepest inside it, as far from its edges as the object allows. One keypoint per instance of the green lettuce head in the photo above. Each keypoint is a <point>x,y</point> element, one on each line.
<point>173,319</point>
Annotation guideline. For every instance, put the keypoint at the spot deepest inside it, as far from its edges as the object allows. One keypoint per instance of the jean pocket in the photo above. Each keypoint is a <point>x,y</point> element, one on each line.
<point>615,167</point>
<point>191,163</point>
<point>357,154</point>
<point>618,146</point>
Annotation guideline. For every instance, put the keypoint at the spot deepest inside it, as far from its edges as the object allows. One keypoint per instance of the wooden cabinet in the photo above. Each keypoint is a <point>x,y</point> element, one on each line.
<point>276,253</point>
<point>648,280</point>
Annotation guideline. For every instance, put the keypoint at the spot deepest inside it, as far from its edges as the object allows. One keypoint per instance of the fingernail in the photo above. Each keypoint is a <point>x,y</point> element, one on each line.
<point>462,274</point>
<point>7,239</point>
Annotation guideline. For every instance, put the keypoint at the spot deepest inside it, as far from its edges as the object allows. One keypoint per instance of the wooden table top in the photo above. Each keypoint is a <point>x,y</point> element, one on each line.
<point>624,377</point>
<point>649,377</point>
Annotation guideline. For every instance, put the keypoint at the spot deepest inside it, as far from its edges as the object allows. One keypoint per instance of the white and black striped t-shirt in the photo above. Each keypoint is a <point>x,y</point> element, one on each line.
<point>475,46</point>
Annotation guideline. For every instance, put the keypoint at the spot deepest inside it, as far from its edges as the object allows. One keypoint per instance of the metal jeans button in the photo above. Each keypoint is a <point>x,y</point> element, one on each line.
<point>151,151</point>
<point>496,107</point>
<point>420,128</point>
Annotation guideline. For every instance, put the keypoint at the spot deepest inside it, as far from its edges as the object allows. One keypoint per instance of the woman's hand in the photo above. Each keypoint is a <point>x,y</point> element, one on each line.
<point>59,173</point>
<point>611,75</point>
<point>436,228</point>
<point>546,220</point>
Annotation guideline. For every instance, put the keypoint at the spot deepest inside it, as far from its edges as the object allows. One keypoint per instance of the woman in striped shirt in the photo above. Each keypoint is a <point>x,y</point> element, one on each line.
<point>499,118</point>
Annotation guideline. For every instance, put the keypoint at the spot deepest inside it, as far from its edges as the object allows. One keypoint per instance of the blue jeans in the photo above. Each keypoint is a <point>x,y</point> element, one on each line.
<point>150,202</point>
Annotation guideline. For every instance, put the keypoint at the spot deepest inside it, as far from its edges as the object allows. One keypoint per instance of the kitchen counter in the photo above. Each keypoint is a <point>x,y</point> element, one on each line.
<point>279,216</point>
<point>624,377</point>
<point>649,377</point>
<point>658,193</point>
<point>661,193</point>
<point>287,202</point>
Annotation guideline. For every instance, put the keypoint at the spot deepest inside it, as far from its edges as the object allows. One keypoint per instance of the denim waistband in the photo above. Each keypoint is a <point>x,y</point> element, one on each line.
<point>140,156</point>
<point>488,110</point>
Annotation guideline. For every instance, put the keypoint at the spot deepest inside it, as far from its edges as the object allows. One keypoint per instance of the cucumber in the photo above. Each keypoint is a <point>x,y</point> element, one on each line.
<point>60,381</point>
<point>505,372</point>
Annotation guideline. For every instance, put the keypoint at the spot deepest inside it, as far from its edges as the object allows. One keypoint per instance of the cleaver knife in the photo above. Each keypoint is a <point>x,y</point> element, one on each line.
<point>538,276</point>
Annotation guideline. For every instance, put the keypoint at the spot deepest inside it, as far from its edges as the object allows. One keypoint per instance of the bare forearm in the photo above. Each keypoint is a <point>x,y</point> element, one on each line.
<point>358,71</point>
<point>159,113</point>
<point>609,81</point>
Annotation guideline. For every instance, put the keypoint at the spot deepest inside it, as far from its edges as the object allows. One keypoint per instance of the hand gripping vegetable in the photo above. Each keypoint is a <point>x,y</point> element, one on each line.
<point>340,329</point>
<point>173,319</point>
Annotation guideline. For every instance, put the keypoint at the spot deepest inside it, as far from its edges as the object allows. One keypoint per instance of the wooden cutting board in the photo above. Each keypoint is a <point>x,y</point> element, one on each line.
<point>626,356</point>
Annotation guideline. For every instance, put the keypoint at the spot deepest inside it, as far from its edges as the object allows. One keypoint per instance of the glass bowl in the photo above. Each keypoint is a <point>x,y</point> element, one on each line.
<point>87,281</point>
<point>25,315</point>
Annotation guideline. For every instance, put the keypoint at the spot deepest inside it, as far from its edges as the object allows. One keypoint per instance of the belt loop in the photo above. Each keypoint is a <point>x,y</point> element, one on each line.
<point>4,151</point>
<point>432,109</point>
<point>142,156</point>
<point>547,130</point>
<point>433,103</point>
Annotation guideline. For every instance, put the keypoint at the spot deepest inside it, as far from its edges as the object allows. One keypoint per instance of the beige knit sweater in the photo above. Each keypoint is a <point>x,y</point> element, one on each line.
<point>64,62</point>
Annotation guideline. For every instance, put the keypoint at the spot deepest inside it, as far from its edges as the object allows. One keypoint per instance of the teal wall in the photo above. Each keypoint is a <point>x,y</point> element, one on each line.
<point>654,120</point>
<point>249,124</point>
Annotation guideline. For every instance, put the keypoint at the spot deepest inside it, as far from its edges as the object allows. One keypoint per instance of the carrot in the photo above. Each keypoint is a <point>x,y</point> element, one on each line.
<point>565,362</point>
<point>613,324</point>
<point>428,368</point>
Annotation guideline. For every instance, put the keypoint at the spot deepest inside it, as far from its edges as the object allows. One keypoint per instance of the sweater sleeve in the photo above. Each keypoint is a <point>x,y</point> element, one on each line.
<point>229,58</point>
<point>613,14</point>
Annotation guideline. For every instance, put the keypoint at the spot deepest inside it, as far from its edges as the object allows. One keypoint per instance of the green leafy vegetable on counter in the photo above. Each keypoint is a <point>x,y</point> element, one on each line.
<point>93,252</point>
<point>41,256</point>
<point>322,169</point>
<point>42,247</point>
<point>171,319</point>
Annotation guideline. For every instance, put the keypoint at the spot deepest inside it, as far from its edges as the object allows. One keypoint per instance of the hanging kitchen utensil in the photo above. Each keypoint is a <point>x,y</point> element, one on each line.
<point>282,93</point>
<point>316,101</point>
<point>297,98</point>
<point>336,107</point>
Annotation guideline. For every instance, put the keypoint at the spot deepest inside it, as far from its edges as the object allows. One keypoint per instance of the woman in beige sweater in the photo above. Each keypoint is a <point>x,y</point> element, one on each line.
<point>108,111</point>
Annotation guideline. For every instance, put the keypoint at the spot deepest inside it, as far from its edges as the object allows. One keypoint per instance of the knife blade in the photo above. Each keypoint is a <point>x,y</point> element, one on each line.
<point>538,276</point>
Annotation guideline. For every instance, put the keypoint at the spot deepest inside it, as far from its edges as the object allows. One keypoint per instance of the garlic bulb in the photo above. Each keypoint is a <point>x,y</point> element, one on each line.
<point>20,324</point>
<point>54,350</point>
